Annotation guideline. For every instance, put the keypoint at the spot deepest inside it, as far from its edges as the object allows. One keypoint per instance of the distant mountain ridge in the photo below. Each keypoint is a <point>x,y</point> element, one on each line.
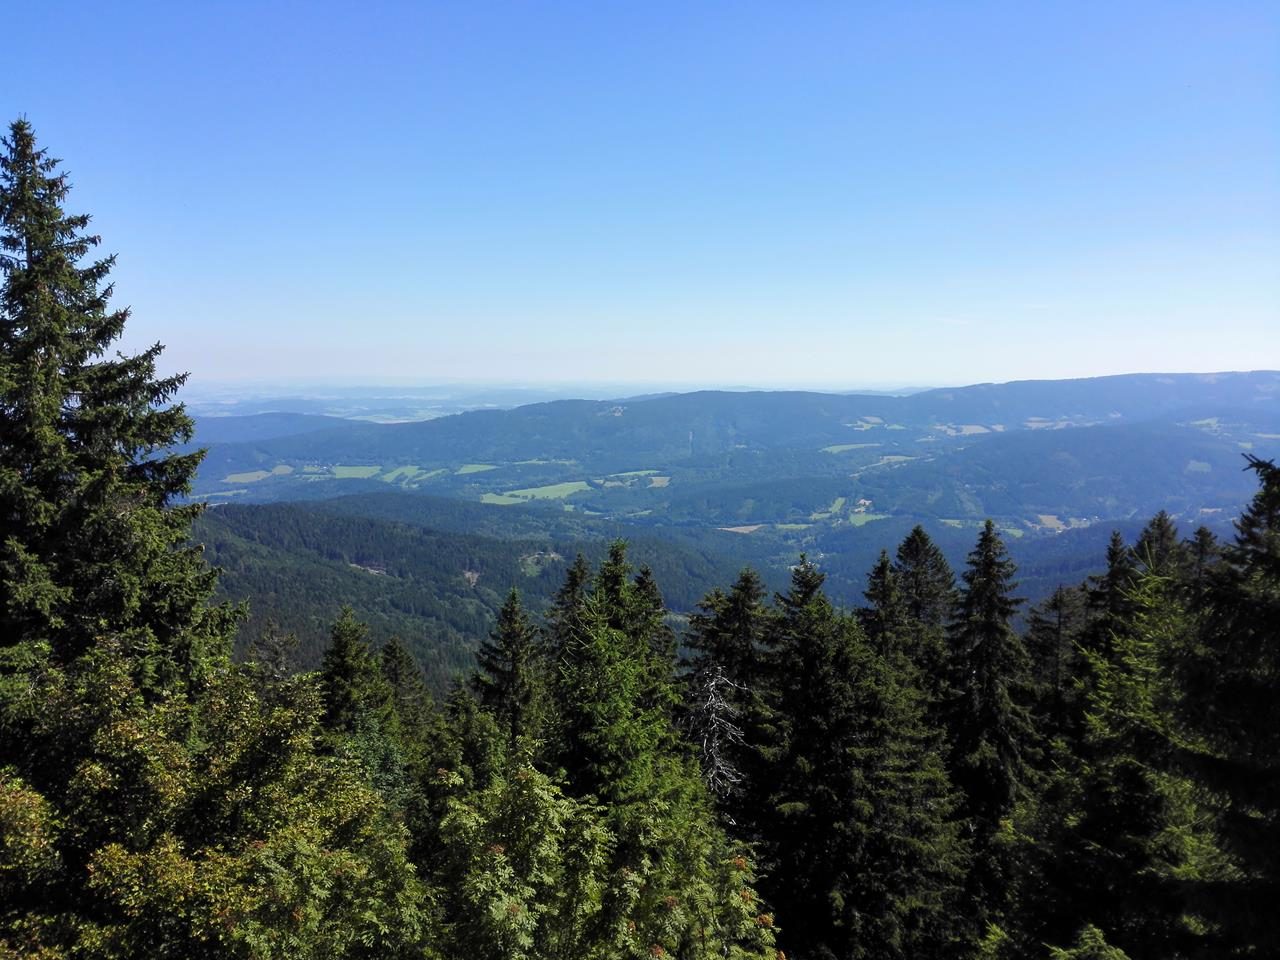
<point>662,422</point>
<point>790,471</point>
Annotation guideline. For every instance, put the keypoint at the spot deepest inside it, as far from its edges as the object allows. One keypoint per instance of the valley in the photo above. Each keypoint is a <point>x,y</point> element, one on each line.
<point>705,483</point>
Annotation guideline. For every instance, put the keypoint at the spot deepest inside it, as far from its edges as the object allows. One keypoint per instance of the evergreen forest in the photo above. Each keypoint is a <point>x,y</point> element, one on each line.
<point>939,771</point>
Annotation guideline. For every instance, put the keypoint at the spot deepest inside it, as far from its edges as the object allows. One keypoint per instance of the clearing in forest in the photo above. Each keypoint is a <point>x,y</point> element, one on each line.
<point>844,447</point>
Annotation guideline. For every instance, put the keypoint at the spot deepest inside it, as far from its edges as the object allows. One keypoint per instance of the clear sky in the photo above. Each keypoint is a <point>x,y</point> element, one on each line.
<point>701,192</point>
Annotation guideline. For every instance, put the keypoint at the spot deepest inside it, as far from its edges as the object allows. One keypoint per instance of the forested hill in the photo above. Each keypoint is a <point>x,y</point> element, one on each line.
<point>1033,454</point>
<point>439,591</point>
<point>434,571</point>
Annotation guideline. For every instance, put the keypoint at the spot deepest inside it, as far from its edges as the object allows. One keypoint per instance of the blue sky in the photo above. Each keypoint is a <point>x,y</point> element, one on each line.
<point>703,193</point>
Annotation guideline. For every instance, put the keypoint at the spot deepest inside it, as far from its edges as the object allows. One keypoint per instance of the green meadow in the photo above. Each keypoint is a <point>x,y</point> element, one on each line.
<point>355,471</point>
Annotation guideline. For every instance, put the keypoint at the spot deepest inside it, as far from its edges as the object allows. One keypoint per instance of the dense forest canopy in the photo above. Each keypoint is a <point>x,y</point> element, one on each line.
<point>916,776</point>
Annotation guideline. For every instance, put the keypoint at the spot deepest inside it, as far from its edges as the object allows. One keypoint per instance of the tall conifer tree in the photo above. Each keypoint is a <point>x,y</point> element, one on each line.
<point>990,729</point>
<point>856,817</point>
<point>928,591</point>
<point>510,681</point>
<point>163,802</point>
<point>1230,702</point>
<point>90,540</point>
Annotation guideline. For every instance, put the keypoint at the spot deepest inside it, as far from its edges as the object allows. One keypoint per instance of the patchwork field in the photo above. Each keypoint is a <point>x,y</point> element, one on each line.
<point>862,519</point>
<point>845,447</point>
<point>551,491</point>
<point>253,476</point>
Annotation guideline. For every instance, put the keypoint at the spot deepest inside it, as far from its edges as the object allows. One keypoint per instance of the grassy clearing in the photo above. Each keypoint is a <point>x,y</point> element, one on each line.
<point>1016,532</point>
<point>355,471</point>
<point>844,447</point>
<point>467,468</point>
<point>1197,466</point>
<point>401,474</point>
<point>862,519</point>
<point>659,481</point>
<point>1050,521</point>
<point>792,526</point>
<point>250,476</point>
<point>836,506</point>
<point>749,528</point>
<point>957,524</point>
<point>534,563</point>
<point>501,499</point>
<point>896,458</point>
<point>552,491</point>
<point>225,493</point>
<point>635,473</point>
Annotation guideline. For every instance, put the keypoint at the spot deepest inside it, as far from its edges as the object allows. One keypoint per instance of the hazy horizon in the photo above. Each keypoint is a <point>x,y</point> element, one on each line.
<point>924,194</point>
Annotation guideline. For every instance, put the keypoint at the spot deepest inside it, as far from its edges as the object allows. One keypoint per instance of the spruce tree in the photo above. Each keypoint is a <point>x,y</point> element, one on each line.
<point>1230,706</point>
<point>618,744</point>
<point>856,820</point>
<point>928,591</point>
<point>651,619</point>
<point>161,801</point>
<point>992,740</point>
<point>885,619</point>
<point>352,683</point>
<point>1110,607</point>
<point>1054,632</point>
<point>565,613</point>
<point>510,680</point>
<point>1203,551</point>
<point>1158,549</point>
<point>1136,835</point>
<point>726,695</point>
<point>91,540</point>
<point>927,583</point>
<point>728,631</point>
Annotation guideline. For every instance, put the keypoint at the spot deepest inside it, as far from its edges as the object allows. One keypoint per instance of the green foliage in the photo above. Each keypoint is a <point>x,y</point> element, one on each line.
<point>240,841</point>
<point>90,544</point>
<point>1090,945</point>
<point>855,810</point>
<point>526,869</point>
<point>1230,710</point>
<point>511,682</point>
<point>988,723</point>
<point>158,802</point>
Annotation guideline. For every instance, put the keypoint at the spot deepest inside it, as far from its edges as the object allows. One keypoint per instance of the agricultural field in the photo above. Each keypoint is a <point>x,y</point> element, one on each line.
<point>846,447</point>
<point>862,519</point>
<point>401,474</point>
<point>551,491</point>
<point>253,476</point>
